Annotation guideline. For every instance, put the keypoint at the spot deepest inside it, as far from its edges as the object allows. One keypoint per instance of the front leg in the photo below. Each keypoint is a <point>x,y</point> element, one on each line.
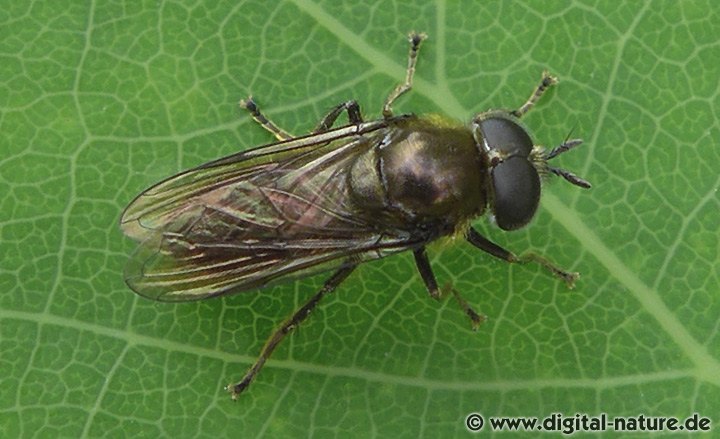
<point>546,82</point>
<point>484,244</point>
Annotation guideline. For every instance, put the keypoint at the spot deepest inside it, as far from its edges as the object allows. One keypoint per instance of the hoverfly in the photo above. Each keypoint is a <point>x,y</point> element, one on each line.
<point>329,200</point>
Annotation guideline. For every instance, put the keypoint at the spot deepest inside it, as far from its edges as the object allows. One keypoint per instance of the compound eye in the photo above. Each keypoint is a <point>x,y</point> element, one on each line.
<point>506,136</point>
<point>516,186</point>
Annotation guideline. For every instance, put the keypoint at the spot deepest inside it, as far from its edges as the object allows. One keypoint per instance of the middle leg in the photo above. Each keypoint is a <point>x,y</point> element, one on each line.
<point>415,40</point>
<point>428,277</point>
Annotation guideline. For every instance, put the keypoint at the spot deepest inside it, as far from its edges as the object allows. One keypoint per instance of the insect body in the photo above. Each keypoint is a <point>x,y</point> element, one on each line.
<point>334,198</point>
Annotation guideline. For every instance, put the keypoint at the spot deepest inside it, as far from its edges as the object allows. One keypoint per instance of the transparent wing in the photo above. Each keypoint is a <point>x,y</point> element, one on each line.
<point>247,221</point>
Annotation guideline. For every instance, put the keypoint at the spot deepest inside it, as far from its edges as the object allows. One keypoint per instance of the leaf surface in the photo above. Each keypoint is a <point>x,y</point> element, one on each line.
<point>100,100</point>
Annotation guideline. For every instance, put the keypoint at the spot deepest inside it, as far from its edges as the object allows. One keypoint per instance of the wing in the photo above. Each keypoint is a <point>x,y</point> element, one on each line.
<point>252,219</point>
<point>155,207</point>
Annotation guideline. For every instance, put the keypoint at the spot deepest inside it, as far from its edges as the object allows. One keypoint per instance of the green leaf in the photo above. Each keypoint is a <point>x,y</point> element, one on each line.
<point>100,100</point>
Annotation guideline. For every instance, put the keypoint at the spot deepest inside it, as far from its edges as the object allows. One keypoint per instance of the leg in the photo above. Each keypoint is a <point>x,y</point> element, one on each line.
<point>475,318</point>
<point>545,83</point>
<point>353,111</point>
<point>415,40</point>
<point>488,246</point>
<point>352,108</point>
<point>249,105</point>
<point>290,324</point>
<point>428,277</point>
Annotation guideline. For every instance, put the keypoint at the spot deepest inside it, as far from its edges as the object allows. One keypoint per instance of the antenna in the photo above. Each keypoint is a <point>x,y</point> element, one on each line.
<point>567,145</point>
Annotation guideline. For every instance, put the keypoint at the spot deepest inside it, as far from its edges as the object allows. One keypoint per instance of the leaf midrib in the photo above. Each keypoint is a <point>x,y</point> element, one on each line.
<point>136,339</point>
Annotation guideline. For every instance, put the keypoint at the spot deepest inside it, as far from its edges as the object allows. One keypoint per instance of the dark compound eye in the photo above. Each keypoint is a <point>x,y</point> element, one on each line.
<point>516,183</point>
<point>506,136</point>
<point>517,192</point>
